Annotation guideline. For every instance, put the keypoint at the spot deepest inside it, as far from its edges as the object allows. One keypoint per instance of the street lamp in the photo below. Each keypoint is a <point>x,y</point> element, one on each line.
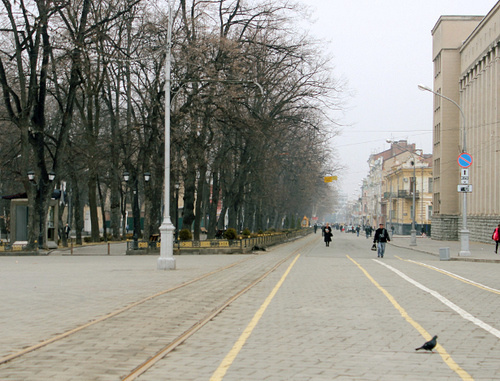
<point>464,233</point>
<point>40,185</point>
<point>135,207</point>
<point>413,231</point>
<point>166,261</point>
<point>177,187</point>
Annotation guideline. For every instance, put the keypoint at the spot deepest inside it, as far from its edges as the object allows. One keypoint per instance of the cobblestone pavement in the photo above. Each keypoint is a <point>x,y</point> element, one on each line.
<point>328,319</point>
<point>480,251</point>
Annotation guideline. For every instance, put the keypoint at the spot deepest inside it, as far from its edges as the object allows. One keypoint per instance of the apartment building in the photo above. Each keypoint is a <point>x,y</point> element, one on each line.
<point>466,58</point>
<point>398,185</point>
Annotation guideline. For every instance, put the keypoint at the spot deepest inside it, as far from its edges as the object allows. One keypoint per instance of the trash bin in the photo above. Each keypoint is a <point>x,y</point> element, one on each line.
<point>444,253</point>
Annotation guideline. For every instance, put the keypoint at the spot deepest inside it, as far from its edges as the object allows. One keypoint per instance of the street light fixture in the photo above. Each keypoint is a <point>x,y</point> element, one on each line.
<point>135,207</point>
<point>177,187</point>
<point>166,261</point>
<point>464,233</point>
<point>413,231</point>
<point>31,177</point>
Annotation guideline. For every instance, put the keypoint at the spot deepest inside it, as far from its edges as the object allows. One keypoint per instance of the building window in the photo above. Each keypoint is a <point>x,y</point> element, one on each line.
<point>430,185</point>
<point>437,100</point>
<point>437,168</point>
<point>429,212</point>
<point>413,184</point>
<point>437,65</point>
<point>437,133</point>
<point>435,201</point>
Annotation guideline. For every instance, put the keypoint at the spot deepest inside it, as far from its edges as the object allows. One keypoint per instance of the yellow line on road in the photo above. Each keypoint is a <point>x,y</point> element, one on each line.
<point>444,355</point>
<point>229,359</point>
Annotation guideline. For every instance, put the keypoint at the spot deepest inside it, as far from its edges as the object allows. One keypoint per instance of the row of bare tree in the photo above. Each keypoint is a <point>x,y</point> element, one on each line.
<point>83,97</point>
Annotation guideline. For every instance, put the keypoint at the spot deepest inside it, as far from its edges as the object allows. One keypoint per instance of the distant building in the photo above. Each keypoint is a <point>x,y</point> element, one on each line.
<point>466,57</point>
<point>387,192</point>
<point>408,173</point>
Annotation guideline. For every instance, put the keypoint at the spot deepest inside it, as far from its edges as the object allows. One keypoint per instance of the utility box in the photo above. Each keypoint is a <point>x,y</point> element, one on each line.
<point>444,253</point>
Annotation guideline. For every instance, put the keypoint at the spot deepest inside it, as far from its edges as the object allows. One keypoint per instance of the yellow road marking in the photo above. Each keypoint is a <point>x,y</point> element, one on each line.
<point>229,359</point>
<point>444,355</point>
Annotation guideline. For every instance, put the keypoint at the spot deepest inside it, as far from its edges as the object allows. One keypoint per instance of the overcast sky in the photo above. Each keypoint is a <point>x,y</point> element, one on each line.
<point>384,50</point>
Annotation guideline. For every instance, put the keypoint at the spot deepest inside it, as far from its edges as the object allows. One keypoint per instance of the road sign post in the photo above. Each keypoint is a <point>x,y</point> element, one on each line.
<point>464,161</point>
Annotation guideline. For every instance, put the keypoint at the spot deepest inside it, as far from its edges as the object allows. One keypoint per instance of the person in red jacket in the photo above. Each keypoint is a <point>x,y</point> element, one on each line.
<point>496,237</point>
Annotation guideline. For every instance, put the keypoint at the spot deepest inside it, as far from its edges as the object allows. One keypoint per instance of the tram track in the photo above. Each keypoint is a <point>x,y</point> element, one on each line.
<point>173,315</point>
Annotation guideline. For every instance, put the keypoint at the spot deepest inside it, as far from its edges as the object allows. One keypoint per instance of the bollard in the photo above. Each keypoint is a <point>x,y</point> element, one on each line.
<point>109,250</point>
<point>71,247</point>
<point>444,253</point>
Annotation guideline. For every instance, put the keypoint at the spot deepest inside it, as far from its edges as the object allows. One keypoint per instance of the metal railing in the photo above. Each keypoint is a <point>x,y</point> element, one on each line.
<point>261,240</point>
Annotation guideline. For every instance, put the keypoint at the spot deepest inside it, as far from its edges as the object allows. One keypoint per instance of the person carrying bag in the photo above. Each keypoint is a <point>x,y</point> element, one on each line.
<point>381,238</point>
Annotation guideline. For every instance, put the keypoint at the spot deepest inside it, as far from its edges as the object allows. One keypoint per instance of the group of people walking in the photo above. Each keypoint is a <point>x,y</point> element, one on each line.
<point>381,237</point>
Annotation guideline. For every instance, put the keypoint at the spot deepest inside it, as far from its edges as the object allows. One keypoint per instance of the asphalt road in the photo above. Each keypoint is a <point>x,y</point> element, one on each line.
<point>325,313</point>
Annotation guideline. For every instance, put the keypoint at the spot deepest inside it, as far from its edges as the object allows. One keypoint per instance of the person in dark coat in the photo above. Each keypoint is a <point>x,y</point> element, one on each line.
<point>328,234</point>
<point>381,237</point>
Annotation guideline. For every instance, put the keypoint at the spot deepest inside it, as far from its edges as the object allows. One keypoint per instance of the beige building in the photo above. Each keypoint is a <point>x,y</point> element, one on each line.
<point>387,194</point>
<point>466,57</point>
<point>408,174</point>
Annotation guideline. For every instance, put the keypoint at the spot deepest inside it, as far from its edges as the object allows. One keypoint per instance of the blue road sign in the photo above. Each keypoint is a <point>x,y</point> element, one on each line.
<point>464,160</point>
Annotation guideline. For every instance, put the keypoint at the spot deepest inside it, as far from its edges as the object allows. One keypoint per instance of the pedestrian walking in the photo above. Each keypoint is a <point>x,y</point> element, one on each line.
<point>381,238</point>
<point>496,237</point>
<point>67,230</point>
<point>328,234</point>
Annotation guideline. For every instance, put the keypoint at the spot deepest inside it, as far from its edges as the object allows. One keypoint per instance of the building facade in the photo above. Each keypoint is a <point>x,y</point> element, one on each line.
<point>466,58</point>
<point>408,193</point>
<point>397,177</point>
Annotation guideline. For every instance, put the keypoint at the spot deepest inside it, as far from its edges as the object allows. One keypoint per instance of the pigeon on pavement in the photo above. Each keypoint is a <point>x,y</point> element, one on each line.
<point>429,346</point>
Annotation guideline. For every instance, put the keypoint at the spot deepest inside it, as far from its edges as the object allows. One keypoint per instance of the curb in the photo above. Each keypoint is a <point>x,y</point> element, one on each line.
<point>463,259</point>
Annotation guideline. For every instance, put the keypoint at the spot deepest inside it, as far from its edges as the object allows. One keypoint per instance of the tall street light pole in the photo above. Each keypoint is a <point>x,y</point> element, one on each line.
<point>166,261</point>
<point>464,233</point>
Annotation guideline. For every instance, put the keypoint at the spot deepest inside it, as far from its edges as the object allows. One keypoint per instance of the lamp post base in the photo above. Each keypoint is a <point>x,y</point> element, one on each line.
<point>464,243</point>
<point>166,264</point>
<point>413,237</point>
<point>166,261</point>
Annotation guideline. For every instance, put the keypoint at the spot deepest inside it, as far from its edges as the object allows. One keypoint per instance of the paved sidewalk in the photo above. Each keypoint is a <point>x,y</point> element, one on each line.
<point>480,252</point>
<point>111,248</point>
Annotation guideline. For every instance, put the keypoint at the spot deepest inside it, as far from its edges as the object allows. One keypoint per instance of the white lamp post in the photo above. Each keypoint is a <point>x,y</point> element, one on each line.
<point>166,261</point>
<point>464,233</point>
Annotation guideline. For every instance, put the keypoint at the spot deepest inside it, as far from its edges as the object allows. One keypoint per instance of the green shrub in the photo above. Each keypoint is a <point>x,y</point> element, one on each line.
<point>185,235</point>
<point>230,234</point>
<point>246,232</point>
